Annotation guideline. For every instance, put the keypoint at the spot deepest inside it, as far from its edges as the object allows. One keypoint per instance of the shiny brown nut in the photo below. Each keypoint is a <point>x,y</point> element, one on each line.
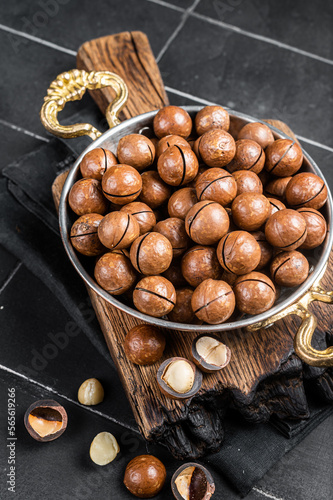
<point>202,169</point>
<point>255,293</point>
<point>84,237</point>
<point>154,191</point>
<point>258,132</point>
<point>276,205</point>
<point>168,141</point>
<point>174,230</point>
<point>217,185</point>
<point>86,197</point>
<point>249,156</point>
<point>151,253</point>
<point>136,150</point>
<point>238,252</point>
<point>177,165</point>
<point>209,353</point>
<point>247,182</point>
<point>178,378</point>
<point>250,211</point>
<point>174,274</point>
<point>316,228</point>
<point>286,229</point>
<point>195,149</point>
<point>211,117</point>
<point>96,162</point>
<point>90,392</point>
<point>192,481</point>
<point>145,476</point>
<point>265,248</point>
<point>172,120</point>
<point>306,190</point>
<point>144,344</point>
<point>283,158</point>
<point>200,263</point>
<point>45,420</point>
<point>142,213</point>
<point>181,202</point>
<point>289,268</point>
<point>206,222</point>
<point>277,188</point>
<point>121,184</point>
<point>155,296</point>
<point>217,148</point>
<point>118,230</point>
<point>114,272</point>
<point>182,312</point>
<point>213,301</point>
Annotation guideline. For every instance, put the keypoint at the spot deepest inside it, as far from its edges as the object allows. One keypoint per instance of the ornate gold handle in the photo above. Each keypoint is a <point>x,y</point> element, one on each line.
<point>303,337</point>
<point>71,86</point>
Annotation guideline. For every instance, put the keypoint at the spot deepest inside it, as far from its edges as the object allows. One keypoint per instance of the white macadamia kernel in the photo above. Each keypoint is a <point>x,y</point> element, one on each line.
<point>91,392</point>
<point>179,375</point>
<point>104,448</point>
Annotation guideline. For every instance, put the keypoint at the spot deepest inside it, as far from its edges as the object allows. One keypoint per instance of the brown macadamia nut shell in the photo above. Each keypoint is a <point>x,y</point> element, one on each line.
<point>283,158</point>
<point>174,230</point>
<point>213,301</point>
<point>254,292</point>
<point>182,312</point>
<point>145,476</point>
<point>96,162</point>
<point>249,156</point>
<point>181,201</point>
<point>121,184</point>
<point>144,344</point>
<point>172,120</point>
<point>316,228</point>
<point>306,190</point>
<point>217,148</point>
<point>250,211</point>
<point>211,117</point>
<point>86,197</point>
<point>114,272</point>
<point>142,213</point>
<point>289,268</point>
<point>154,295</point>
<point>247,182</point>
<point>118,230</point>
<point>258,132</point>
<point>200,263</point>
<point>136,150</point>
<point>286,229</point>
<point>207,222</point>
<point>217,185</point>
<point>177,165</point>
<point>84,235</point>
<point>154,192</point>
<point>238,252</point>
<point>151,253</point>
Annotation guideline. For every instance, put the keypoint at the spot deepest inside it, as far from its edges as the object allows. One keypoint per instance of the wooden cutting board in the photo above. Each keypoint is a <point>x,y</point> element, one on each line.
<point>264,375</point>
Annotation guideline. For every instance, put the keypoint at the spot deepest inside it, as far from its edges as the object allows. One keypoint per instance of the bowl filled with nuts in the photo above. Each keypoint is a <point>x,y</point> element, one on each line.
<point>199,219</point>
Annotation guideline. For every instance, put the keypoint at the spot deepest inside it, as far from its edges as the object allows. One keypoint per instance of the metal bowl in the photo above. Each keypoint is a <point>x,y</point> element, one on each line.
<point>143,124</point>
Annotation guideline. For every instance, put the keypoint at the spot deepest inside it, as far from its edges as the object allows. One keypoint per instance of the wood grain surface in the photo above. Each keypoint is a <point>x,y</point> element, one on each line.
<point>264,375</point>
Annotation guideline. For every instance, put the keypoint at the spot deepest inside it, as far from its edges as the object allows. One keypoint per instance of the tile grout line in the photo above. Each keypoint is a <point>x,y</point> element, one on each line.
<point>10,276</point>
<point>38,40</point>
<point>266,494</point>
<point>261,38</point>
<point>53,391</point>
<point>23,130</point>
<point>169,41</point>
<point>167,4</point>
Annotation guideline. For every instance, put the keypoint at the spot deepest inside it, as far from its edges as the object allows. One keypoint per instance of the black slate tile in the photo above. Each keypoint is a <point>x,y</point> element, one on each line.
<point>7,265</point>
<point>14,144</point>
<point>41,341</point>
<point>251,76</point>
<point>69,24</point>
<point>303,24</point>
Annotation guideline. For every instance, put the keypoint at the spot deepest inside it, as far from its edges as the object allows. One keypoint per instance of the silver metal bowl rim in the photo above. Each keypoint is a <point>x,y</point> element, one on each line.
<point>243,323</point>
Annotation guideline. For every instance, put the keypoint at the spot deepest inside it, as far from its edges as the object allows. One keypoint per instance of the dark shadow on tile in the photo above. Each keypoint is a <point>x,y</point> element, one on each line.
<point>303,24</point>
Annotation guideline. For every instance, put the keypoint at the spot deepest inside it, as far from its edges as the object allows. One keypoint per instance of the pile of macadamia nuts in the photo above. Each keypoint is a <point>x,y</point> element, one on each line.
<point>195,223</point>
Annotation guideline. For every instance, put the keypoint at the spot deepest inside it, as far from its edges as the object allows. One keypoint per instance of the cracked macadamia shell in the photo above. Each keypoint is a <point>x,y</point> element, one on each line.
<point>84,236</point>
<point>154,295</point>
<point>142,213</point>
<point>96,162</point>
<point>254,292</point>
<point>209,353</point>
<point>289,268</point>
<point>118,230</point>
<point>114,272</point>
<point>172,120</point>
<point>177,165</point>
<point>144,344</point>
<point>249,156</point>
<point>258,132</point>
<point>213,301</point>
<point>217,185</point>
<point>154,192</point>
<point>283,158</point>
<point>174,230</point>
<point>216,148</point>
<point>247,182</point>
<point>238,252</point>
<point>207,222</point>
<point>151,253</point>
<point>86,197</point>
<point>192,481</point>
<point>276,188</point>
<point>211,117</point>
<point>121,184</point>
<point>286,229</point>
<point>168,141</point>
<point>178,378</point>
<point>136,150</point>
<point>266,250</point>
<point>181,202</point>
<point>200,263</point>
<point>250,211</point>
<point>306,190</point>
<point>316,228</point>
<point>276,205</point>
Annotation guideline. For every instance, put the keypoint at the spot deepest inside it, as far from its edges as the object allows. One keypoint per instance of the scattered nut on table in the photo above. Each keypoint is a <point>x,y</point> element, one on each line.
<point>209,353</point>
<point>145,476</point>
<point>45,420</point>
<point>90,392</point>
<point>178,378</point>
<point>104,448</point>
<point>192,482</point>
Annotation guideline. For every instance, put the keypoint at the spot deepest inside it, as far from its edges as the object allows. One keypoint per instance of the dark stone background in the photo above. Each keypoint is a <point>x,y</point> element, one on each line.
<point>269,59</point>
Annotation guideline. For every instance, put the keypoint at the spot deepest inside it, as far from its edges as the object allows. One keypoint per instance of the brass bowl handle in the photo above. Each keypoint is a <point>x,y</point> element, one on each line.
<point>71,86</point>
<point>303,337</point>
